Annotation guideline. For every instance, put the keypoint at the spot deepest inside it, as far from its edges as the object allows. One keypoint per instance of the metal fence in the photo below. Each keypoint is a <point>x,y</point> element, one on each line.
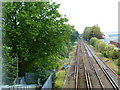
<point>48,83</point>
<point>19,87</point>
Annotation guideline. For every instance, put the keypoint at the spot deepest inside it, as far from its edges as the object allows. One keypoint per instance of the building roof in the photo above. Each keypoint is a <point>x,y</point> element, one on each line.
<point>116,40</point>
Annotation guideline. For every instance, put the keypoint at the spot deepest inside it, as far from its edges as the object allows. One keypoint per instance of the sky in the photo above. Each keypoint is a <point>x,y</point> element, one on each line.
<point>83,13</point>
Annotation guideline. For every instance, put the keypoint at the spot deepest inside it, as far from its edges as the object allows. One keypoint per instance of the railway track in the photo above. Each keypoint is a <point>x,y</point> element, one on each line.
<point>86,72</point>
<point>102,82</point>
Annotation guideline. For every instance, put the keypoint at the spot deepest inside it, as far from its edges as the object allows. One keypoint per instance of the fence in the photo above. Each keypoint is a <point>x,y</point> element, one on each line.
<point>48,83</point>
<point>19,87</point>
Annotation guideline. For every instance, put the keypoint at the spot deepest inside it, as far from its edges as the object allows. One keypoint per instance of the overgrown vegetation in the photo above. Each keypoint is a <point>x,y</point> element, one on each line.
<point>35,36</point>
<point>61,73</point>
<point>60,76</point>
<point>108,51</point>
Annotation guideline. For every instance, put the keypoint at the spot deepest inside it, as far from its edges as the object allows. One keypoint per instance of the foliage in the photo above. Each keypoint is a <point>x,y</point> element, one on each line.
<point>108,51</point>
<point>93,41</point>
<point>43,75</point>
<point>9,65</point>
<point>93,31</point>
<point>118,73</point>
<point>74,36</point>
<point>115,54</point>
<point>37,34</point>
<point>97,43</point>
<point>101,46</point>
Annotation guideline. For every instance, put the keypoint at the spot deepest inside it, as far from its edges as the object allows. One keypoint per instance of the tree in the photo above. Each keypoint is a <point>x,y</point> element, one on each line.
<point>36,32</point>
<point>93,31</point>
<point>75,36</point>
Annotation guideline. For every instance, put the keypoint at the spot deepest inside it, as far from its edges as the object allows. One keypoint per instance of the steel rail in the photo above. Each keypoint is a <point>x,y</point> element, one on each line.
<point>76,81</point>
<point>91,64</point>
<point>116,87</point>
<point>76,69</point>
<point>109,79</point>
<point>87,77</point>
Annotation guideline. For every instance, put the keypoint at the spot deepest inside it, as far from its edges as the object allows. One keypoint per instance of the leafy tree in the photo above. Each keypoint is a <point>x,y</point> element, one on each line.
<point>37,34</point>
<point>75,36</point>
<point>93,31</point>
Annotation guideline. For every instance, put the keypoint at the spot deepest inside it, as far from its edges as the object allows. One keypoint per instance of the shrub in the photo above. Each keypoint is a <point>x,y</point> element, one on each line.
<point>115,54</point>
<point>101,46</point>
<point>93,40</point>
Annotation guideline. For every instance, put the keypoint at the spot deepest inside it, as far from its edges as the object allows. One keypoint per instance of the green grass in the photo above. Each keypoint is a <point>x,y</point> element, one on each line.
<point>60,76</point>
<point>100,55</point>
<point>112,64</point>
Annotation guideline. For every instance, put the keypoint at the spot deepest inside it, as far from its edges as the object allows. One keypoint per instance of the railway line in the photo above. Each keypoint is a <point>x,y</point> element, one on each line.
<point>88,72</point>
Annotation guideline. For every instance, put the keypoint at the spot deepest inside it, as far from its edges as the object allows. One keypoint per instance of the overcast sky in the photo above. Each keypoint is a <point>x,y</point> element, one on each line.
<point>82,13</point>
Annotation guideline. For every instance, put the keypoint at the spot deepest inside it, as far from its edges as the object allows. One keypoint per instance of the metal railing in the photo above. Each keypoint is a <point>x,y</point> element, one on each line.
<point>48,83</point>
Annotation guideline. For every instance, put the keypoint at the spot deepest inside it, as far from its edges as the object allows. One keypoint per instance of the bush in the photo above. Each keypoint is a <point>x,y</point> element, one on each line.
<point>108,51</point>
<point>92,41</point>
<point>101,46</point>
<point>115,54</point>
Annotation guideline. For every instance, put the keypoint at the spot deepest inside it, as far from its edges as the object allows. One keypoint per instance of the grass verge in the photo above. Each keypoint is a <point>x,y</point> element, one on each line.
<point>61,73</point>
<point>60,76</point>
